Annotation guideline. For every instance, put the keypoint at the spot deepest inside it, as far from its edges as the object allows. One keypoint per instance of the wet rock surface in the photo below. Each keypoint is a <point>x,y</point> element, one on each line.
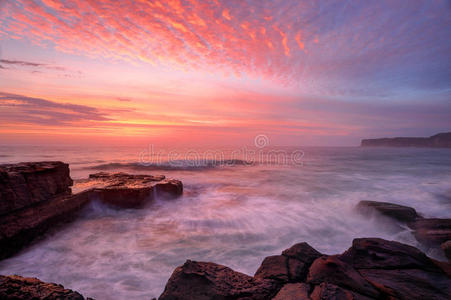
<point>36,197</point>
<point>431,232</point>
<point>129,191</point>
<point>371,269</point>
<point>17,287</point>
<point>398,212</point>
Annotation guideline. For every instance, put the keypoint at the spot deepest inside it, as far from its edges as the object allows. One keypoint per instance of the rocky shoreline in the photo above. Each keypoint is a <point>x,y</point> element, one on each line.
<point>36,197</point>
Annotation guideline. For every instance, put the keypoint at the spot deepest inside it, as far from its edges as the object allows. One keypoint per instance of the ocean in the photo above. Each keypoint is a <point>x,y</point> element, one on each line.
<point>236,210</point>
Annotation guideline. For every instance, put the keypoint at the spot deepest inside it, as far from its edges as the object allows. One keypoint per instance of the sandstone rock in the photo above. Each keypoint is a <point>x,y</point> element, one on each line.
<point>375,253</point>
<point>410,284</point>
<point>398,212</point>
<point>328,291</point>
<point>20,228</point>
<point>25,184</point>
<point>125,190</point>
<point>330,269</point>
<point>291,266</point>
<point>432,231</point>
<point>293,291</point>
<point>37,197</point>
<point>446,247</point>
<point>274,267</point>
<point>399,270</point>
<point>17,287</point>
<point>202,280</point>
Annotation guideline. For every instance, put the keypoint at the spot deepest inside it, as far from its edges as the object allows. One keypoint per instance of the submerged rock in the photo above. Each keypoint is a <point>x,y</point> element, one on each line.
<point>371,269</point>
<point>17,287</point>
<point>398,212</point>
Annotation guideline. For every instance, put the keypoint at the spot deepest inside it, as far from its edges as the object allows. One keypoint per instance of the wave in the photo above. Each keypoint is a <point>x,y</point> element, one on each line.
<point>172,165</point>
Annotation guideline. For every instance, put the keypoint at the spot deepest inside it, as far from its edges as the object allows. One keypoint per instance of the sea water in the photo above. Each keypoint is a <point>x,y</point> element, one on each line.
<point>232,212</point>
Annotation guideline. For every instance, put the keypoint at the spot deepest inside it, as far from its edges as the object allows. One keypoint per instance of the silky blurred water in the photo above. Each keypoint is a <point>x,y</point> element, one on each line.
<point>232,214</point>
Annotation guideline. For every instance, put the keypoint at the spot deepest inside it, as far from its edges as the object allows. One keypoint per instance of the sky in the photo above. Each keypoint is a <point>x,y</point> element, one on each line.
<point>193,72</point>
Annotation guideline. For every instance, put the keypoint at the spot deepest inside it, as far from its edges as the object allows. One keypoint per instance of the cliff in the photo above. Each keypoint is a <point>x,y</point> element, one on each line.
<point>441,140</point>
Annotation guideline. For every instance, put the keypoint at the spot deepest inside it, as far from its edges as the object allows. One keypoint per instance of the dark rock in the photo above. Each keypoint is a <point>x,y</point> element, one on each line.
<point>446,247</point>
<point>432,231</point>
<point>441,140</point>
<point>291,266</point>
<point>375,253</point>
<point>398,270</point>
<point>20,228</point>
<point>17,287</point>
<point>274,267</point>
<point>330,269</point>
<point>202,280</point>
<point>293,291</point>
<point>398,212</point>
<point>328,291</point>
<point>410,284</point>
<point>25,184</point>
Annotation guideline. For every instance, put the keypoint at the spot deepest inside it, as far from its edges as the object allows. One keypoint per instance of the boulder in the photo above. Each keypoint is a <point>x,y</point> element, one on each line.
<point>328,291</point>
<point>398,270</point>
<point>17,287</point>
<point>291,266</point>
<point>330,269</point>
<point>25,184</point>
<point>375,253</point>
<point>398,212</point>
<point>293,291</point>
<point>203,280</point>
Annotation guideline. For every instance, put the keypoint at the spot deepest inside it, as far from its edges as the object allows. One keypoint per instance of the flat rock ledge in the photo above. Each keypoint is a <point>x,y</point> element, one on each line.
<point>431,232</point>
<point>371,269</point>
<point>37,196</point>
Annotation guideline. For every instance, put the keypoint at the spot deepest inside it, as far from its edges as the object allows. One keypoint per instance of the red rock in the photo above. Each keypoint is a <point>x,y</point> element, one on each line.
<point>328,291</point>
<point>203,280</point>
<point>274,267</point>
<point>41,198</point>
<point>291,266</point>
<point>129,191</point>
<point>293,291</point>
<point>331,269</point>
<point>25,184</point>
<point>17,287</point>
<point>375,253</point>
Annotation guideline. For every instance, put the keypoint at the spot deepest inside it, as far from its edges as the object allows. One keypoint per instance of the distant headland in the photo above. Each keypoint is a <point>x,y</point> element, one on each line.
<point>440,140</point>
